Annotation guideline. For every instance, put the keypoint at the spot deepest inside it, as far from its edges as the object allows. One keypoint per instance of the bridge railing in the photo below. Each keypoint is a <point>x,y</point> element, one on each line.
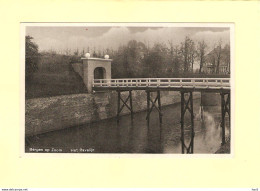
<point>164,82</point>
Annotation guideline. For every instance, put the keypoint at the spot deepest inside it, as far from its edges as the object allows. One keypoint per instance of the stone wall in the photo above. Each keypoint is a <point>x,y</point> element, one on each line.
<point>54,113</point>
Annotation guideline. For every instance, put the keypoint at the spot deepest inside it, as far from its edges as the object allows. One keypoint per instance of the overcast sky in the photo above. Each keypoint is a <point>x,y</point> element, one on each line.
<point>62,38</point>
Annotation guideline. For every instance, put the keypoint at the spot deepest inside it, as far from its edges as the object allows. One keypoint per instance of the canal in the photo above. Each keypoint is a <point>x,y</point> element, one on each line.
<point>127,136</point>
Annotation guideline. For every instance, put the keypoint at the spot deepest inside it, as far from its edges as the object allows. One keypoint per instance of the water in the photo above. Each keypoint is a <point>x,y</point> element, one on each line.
<point>128,136</point>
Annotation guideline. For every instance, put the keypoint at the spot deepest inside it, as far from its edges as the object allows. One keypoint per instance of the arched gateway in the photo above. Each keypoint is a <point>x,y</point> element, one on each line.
<point>93,68</point>
<point>100,73</point>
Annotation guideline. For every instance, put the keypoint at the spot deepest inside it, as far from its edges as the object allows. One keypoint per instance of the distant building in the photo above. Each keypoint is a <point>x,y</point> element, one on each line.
<point>210,65</point>
<point>208,68</point>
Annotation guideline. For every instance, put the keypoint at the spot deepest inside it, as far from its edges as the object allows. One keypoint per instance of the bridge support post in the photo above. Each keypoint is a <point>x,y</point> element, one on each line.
<point>148,108</point>
<point>120,108</point>
<point>157,107</point>
<point>225,108</point>
<point>187,105</point>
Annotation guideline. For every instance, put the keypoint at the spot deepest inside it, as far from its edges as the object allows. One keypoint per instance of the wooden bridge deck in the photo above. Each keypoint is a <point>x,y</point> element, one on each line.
<point>164,84</point>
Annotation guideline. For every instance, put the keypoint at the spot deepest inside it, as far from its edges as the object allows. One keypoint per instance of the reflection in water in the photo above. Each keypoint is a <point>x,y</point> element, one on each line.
<point>129,136</point>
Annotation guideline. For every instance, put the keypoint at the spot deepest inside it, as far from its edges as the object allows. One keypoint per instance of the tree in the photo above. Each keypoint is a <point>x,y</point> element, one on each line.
<point>120,65</point>
<point>129,60</point>
<point>175,58</point>
<point>188,53</point>
<point>201,53</point>
<point>95,54</point>
<point>192,54</point>
<point>76,53</point>
<point>218,55</point>
<point>227,57</point>
<point>157,61</point>
<point>177,62</point>
<point>31,57</point>
<point>83,53</point>
<point>135,58</point>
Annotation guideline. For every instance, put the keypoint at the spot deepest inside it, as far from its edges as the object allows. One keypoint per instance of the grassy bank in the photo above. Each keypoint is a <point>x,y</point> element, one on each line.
<point>55,76</point>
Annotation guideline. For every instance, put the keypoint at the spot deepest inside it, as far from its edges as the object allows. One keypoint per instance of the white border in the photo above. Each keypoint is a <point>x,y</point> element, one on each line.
<point>23,26</point>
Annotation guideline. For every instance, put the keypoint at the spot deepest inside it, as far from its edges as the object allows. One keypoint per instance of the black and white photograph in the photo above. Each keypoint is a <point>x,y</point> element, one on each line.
<point>128,88</point>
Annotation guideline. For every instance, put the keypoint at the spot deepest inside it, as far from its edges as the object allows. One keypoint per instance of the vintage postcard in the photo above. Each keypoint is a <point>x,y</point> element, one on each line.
<point>128,88</point>
<point>129,94</point>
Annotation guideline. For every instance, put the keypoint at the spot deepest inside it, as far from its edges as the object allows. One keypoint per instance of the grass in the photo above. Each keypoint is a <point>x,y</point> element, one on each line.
<point>55,76</point>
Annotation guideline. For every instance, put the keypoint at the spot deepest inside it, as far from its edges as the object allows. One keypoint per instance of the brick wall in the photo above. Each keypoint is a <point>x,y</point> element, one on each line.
<point>53,113</point>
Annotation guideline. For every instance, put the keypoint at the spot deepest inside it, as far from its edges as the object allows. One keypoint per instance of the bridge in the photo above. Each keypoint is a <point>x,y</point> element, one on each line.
<point>92,69</point>
<point>174,84</point>
<point>186,86</point>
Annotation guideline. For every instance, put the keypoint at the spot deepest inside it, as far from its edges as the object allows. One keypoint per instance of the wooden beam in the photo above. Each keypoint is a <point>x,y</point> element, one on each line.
<point>187,105</point>
<point>118,105</point>
<point>225,108</point>
<point>182,122</point>
<point>158,108</point>
<point>120,108</point>
<point>131,104</point>
<point>192,123</point>
<point>148,108</point>
<point>223,112</point>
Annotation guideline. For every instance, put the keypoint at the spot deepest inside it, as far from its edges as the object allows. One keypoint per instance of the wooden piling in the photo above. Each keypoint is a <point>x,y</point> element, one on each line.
<point>182,122</point>
<point>148,108</point>
<point>187,105</point>
<point>192,123</point>
<point>120,108</point>
<point>118,105</point>
<point>223,112</point>
<point>131,104</point>
<point>159,105</point>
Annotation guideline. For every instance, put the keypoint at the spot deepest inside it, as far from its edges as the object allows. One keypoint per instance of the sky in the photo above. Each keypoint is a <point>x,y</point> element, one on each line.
<point>101,37</point>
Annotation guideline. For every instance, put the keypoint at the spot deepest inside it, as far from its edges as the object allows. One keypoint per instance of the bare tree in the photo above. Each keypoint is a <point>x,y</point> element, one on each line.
<point>184,50</point>
<point>192,54</point>
<point>218,55</point>
<point>201,53</point>
<point>188,53</point>
<point>227,57</point>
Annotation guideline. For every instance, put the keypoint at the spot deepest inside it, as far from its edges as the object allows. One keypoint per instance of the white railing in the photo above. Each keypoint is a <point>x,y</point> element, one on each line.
<point>211,83</point>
